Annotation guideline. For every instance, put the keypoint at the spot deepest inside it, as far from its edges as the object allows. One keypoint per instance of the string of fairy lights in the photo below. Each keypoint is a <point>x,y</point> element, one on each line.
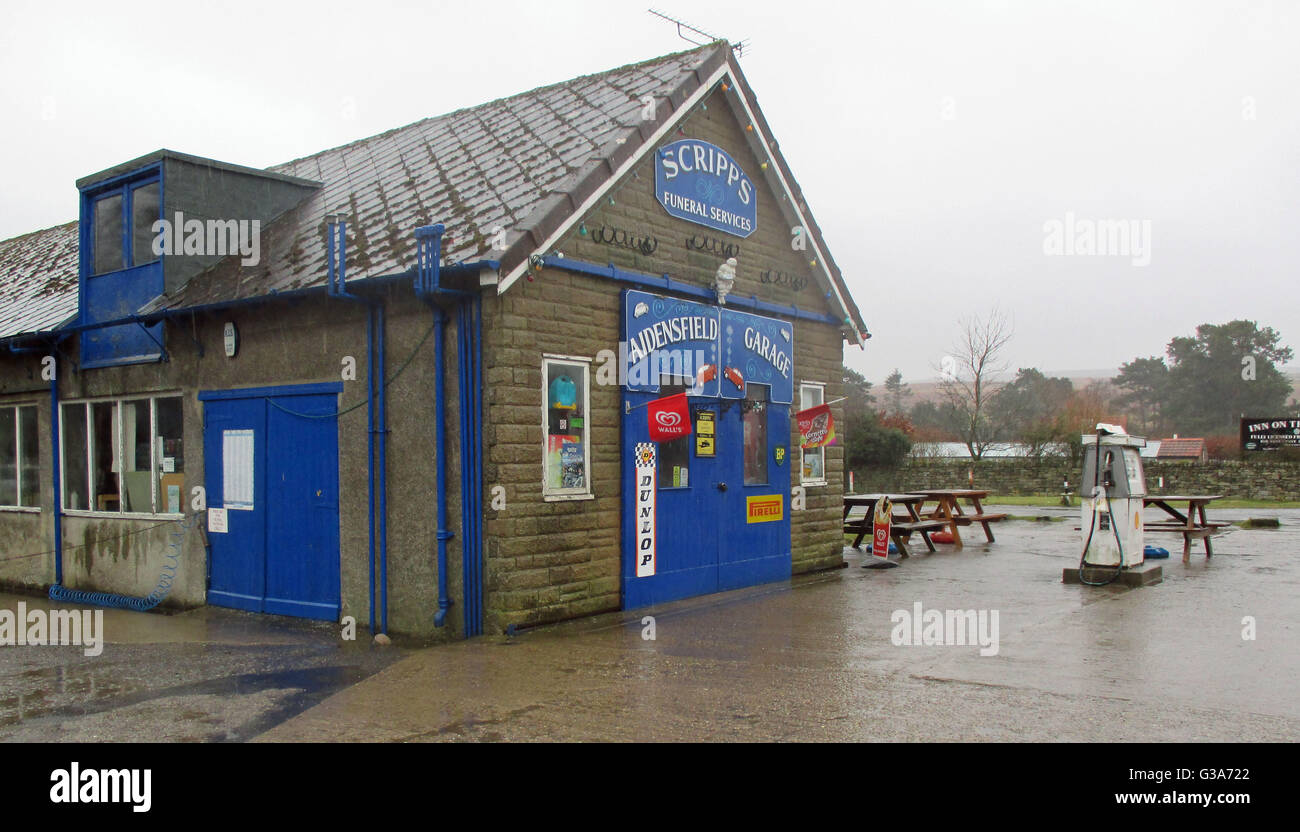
<point>702,108</point>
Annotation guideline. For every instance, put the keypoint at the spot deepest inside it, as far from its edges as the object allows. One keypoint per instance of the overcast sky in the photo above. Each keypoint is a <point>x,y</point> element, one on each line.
<point>936,141</point>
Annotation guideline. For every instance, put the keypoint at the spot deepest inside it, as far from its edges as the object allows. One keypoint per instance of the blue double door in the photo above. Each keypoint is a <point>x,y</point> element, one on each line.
<point>271,463</point>
<point>720,521</point>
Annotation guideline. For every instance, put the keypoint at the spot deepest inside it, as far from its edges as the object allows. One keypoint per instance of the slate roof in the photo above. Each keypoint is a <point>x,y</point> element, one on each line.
<point>497,164</point>
<point>523,163</point>
<point>38,280</point>
<point>1181,449</point>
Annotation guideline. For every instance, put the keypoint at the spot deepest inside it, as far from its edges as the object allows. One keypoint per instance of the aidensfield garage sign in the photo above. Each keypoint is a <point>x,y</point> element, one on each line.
<point>699,182</point>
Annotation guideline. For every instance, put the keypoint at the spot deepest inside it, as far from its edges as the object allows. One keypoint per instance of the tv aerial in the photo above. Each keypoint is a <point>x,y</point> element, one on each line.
<point>683,28</point>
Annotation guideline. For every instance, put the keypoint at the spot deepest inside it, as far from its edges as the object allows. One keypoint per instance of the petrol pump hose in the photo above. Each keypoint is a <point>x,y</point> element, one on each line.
<point>1098,485</point>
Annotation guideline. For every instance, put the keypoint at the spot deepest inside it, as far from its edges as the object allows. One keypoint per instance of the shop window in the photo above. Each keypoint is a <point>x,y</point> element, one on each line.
<point>813,459</point>
<point>104,457</point>
<point>565,430</point>
<point>76,459</point>
<point>20,463</point>
<point>675,455</point>
<point>123,456</point>
<point>753,409</point>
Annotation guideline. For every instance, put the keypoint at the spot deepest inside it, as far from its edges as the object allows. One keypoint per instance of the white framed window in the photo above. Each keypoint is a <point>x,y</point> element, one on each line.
<point>123,457</point>
<point>20,458</point>
<point>812,467</point>
<point>566,429</point>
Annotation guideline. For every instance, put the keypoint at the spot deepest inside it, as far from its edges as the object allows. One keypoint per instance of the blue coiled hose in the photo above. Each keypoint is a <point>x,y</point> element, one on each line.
<point>131,602</point>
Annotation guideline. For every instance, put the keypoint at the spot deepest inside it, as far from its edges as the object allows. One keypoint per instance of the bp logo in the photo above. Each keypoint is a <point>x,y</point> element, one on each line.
<point>779,452</point>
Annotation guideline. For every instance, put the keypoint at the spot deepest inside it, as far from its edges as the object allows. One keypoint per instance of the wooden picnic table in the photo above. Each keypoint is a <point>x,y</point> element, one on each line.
<point>949,510</point>
<point>901,527</point>
<point>1192,525</point>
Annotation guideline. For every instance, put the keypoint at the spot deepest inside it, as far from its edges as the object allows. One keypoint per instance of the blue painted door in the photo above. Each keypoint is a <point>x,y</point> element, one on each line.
<point>756,513</point>
<point>281,551</point>
<point>706,539</point>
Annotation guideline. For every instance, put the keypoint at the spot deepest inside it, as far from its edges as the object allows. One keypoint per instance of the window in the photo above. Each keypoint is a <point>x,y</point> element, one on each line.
<point>812,394</point>
<point>20,461</point>
<point>122,226</point>
<point>567,450</point>
<point>753,410</point>
<point>123,457</point>
<point>146,209</point>
<point>109,256</point>
<point>675,455</point>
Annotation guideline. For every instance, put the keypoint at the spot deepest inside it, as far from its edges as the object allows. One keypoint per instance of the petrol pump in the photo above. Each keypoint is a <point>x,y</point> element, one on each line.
<point>1111,491</point>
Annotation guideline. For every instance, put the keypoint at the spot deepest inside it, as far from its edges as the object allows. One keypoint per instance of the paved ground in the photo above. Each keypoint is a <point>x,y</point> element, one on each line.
<point>206,675</point>
<point>808,660</point>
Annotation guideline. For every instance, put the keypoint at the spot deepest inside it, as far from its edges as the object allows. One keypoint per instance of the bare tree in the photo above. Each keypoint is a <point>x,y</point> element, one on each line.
<point>968,377</point>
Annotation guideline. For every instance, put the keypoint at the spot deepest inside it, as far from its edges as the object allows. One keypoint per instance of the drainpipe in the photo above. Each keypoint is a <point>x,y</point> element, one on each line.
<point>336,248</point>
<point>381,429</point>
<point>466,462</point>
<point>428,284</point>
<point>476,454</point>
<point>58,490</point>
<point>440,419</point>
<point>469,326</point>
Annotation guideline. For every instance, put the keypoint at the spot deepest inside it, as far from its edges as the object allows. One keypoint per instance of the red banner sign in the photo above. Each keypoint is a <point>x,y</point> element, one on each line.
<point>668,418</point>
<point>816,426</point>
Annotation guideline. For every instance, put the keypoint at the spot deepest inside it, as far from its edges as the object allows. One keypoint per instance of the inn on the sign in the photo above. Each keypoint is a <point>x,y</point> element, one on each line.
<point>419,379</point>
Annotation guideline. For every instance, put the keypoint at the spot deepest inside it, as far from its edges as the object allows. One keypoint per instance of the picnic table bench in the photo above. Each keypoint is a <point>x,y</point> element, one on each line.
<point>1193,525</point>
<point>949,510</point>
<point>901,527</point>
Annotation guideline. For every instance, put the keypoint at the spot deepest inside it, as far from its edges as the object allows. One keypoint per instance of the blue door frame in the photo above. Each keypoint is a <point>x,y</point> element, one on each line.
<point>714,528</point>
<point>280,553</point>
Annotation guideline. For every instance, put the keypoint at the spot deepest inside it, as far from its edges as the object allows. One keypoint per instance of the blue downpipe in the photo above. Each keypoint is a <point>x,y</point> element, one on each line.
<point>476,455</point>
<point>440,420</point>
<point>55,455</point>
<point>466,505</point>
<point>336,258</point>
<point>382,394</point>
<point>370,448</point>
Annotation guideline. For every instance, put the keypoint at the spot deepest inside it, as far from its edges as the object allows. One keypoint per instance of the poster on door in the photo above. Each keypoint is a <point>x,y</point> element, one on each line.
<point>645,509</point>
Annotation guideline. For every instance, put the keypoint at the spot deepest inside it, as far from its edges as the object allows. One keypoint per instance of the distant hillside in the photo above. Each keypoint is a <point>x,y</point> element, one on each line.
<point>928,390</point>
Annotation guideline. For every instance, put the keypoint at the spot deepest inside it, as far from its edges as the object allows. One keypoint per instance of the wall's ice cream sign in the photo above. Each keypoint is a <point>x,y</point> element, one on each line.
<point>700,182</point>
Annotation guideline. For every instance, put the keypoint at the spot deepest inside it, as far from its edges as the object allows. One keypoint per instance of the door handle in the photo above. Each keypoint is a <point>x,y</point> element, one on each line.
<point>722,486</point>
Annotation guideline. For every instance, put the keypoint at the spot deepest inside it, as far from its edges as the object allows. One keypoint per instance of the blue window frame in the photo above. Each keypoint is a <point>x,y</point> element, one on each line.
<point>121,224</point>
<point>119,270</point>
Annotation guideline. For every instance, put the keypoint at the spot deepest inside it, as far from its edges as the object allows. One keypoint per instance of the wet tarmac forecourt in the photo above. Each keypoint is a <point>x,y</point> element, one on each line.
<point>984,643</point>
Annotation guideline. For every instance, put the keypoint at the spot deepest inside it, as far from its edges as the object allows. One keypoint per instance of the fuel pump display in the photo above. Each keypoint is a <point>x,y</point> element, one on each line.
<point>1111,488</point>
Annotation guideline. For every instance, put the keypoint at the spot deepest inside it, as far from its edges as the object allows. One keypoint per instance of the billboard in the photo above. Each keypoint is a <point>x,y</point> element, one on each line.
<point>1269,434</point>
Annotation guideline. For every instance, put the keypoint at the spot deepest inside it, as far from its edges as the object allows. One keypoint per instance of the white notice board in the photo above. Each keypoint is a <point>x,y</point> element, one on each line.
<point>237,469</point>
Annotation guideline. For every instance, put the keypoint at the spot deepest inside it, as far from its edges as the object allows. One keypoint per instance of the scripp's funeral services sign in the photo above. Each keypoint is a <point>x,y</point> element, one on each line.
<point>699,182</point>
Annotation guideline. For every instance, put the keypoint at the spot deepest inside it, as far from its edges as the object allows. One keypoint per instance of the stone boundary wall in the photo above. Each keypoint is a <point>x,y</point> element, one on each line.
<point>1247,480</point>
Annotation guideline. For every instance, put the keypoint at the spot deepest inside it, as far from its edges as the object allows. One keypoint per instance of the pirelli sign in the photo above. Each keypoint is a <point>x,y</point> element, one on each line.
<point>767,508</point>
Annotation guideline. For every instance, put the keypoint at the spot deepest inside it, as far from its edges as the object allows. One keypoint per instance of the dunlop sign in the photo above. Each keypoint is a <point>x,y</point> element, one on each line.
<point>645,509</point>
